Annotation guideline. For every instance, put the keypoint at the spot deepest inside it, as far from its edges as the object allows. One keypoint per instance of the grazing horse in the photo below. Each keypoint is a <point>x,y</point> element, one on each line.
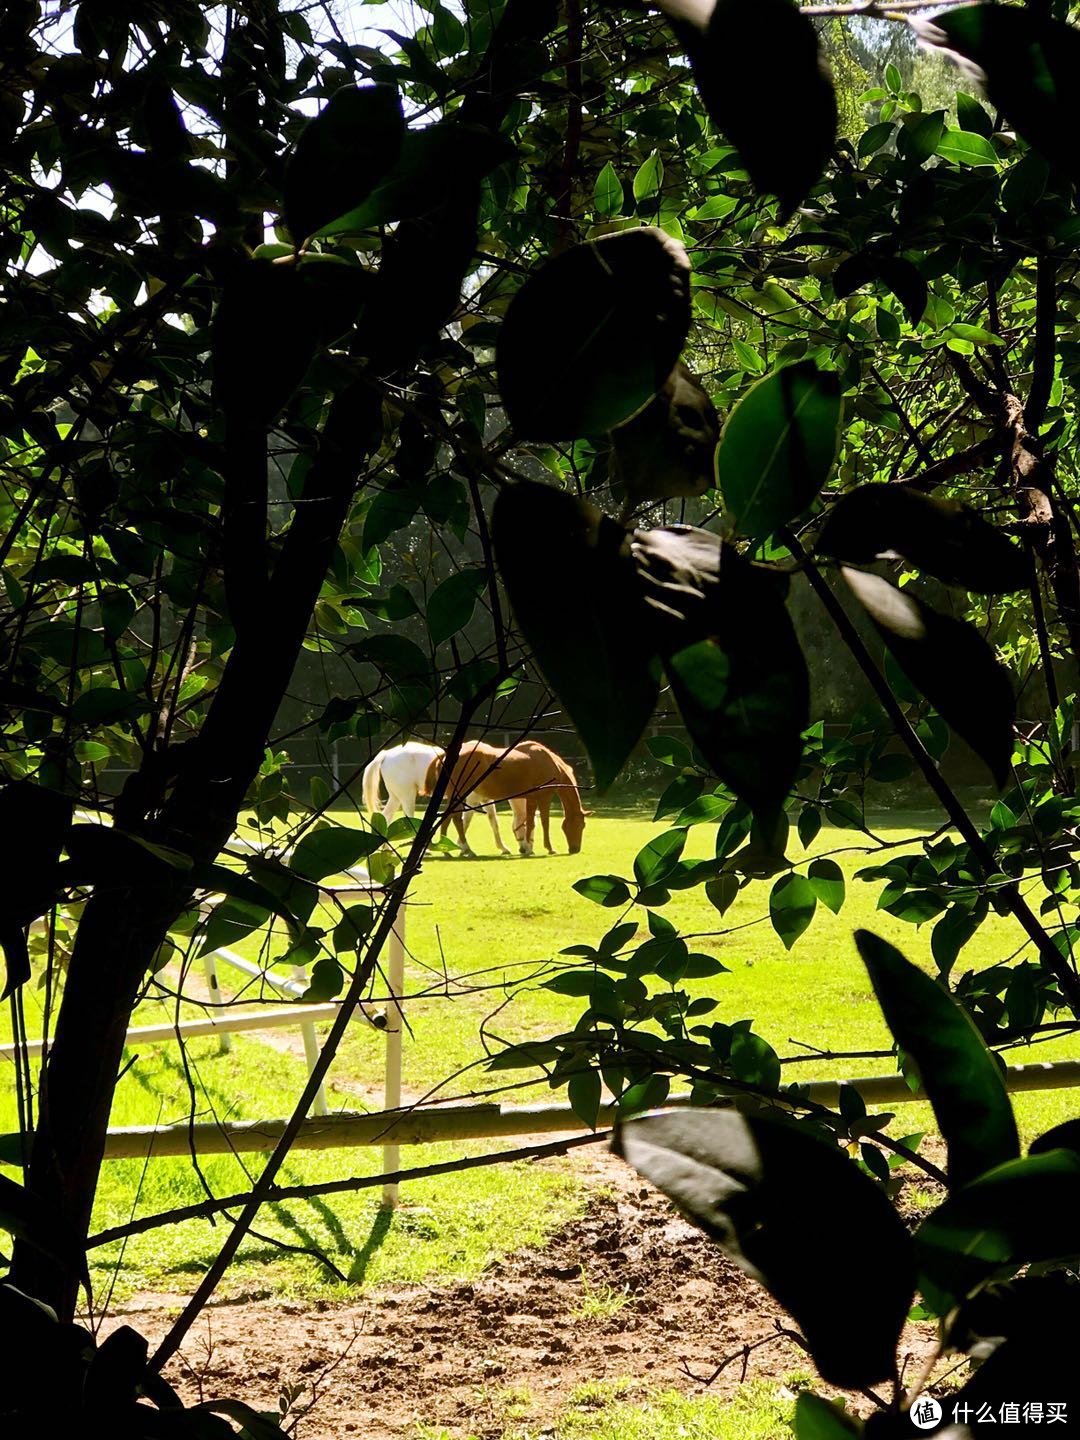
<point>403,770</point>
<point>527,775</point>
<point>555,778</point>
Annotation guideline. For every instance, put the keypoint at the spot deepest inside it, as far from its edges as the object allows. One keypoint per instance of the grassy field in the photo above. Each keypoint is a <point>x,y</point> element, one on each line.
<point>476,930</point>
<point>624,1410</point>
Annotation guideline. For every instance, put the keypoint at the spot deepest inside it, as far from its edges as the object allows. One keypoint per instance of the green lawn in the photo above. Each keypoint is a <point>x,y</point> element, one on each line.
<point>626,1410</point>
<point>476,930</point>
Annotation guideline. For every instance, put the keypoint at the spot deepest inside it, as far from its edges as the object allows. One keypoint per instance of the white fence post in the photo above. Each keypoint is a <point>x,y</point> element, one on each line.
<point>311,1046</point>
<point>210,966</point>
<point>395,974</point>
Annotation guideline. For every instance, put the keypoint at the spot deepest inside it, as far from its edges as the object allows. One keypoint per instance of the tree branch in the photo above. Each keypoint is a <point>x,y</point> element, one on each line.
<point>202,1210</point>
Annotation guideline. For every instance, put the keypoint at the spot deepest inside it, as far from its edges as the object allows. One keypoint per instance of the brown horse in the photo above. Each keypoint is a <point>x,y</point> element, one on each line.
<point>527,775</point>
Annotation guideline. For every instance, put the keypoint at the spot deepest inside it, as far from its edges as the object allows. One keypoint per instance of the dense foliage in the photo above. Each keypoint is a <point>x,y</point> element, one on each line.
<point>544,282</point>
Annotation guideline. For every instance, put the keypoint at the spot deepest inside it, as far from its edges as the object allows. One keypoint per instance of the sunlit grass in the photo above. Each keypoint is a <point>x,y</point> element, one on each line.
<point>476,930</point>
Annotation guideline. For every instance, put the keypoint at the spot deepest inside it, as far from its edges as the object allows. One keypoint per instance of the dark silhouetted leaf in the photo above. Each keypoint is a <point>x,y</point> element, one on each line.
<point>263,339</point>
<point>895,273</point>
<point>950,663</point>
<point>731,656</point>
<point>341,155</point>
<point>669,449</point>
<point>778,447</point>
<point>793,1212</point>
<point>958,1073</point>
<point>721,892</point>
<point>946,539</point>
<point>593,334</point>
<point>452,603</point>
<point>784,131</point>
<point>327,982</point>
<point>574,591</point>
<point>583,1092</point>
<point>1065,1136</point>
<point>1020,1213</point>
<point>37,822</point>
<point>1029,65</point>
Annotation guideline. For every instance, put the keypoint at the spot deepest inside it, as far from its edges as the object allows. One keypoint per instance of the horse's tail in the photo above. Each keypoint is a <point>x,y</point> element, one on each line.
<point>372,777</point>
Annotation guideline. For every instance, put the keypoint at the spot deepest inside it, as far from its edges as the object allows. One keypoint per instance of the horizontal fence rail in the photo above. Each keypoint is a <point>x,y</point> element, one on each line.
<point>434,1124</point>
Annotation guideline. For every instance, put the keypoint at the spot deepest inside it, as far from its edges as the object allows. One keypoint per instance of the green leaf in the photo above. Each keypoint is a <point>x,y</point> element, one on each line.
<point>722,891</point>
<point>608,192</point>
<point>946,539</point>
<point>827,882</point>
<point>667,449</point>
<point>959,1075</point>
<point>331,850</point>
<point>609,890</point>
<point>971,115</point>
<point>649,178</point>
<point>1031,68</point>
<point>794,1213</point>
<point>950,662</point>
<point>656,860</point>
<point>451,605</point>
<point>964,147</point>
<point>391,510</point>
<point>748,357</point>
<point>353,928</point>
<point>1022,1212</point>
<point>784,131</point>
<point>587,631</point>
<point>949,936</point>
<point>105,705</point>
<point>809,825</point>
<point>778,447</point>
<point>231,921</point>
<point>818,1419</point>
<point>593,334</point>
<point>669,751</point>
<point>327,982</point>
<point>792,903</point>
<point>975,334</point>
<point>583,1092</point>
<point>893,80</point>
<point>731,656</point>
<point>341,155</point>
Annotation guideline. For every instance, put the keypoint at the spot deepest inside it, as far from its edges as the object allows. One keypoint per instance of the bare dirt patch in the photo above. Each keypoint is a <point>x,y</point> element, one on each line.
<point>628,1292</point>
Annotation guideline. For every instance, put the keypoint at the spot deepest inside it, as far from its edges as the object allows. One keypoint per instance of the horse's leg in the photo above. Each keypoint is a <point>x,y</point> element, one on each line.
<point>389,809</point>
<point>493,816</point>
<point>545,820</point>
<point>520,805</point>
<point>461,825</point>
<point>407,799</point>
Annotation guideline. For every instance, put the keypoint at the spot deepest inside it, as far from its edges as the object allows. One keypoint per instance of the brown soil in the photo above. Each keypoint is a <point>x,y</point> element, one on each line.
<point>628,1292</point>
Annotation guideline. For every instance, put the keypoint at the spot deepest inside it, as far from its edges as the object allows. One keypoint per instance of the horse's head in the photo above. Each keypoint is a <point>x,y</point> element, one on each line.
<point>573,827</point>
<point>431,778</point>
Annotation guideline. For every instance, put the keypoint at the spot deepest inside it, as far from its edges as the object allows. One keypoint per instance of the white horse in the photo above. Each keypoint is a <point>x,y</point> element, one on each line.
<point>402,770</point>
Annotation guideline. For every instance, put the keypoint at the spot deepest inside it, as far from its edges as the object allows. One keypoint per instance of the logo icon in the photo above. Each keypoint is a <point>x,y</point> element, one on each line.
<point>925,1413</point>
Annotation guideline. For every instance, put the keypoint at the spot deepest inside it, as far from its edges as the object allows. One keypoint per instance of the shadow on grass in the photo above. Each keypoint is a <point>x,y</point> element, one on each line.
<point>376,1236</point>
